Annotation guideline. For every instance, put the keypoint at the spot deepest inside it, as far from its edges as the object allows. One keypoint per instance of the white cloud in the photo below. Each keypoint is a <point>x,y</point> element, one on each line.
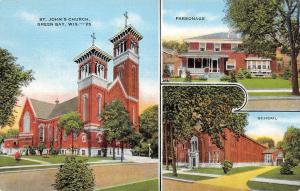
<point>180,32</point>
<point>133,19</point>
<point>28,17</point>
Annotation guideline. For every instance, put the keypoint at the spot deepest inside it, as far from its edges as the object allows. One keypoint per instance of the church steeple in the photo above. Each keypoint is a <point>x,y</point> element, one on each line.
<point>92,64</point>
<point>126,57</point>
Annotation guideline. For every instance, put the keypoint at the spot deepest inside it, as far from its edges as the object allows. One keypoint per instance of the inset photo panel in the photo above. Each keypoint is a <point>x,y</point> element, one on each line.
<point>217,41</point>
<point>209,144</point>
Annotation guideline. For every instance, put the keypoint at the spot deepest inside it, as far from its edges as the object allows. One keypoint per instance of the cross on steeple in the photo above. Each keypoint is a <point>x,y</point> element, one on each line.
<point>126,18</point>
<point>93,37</point>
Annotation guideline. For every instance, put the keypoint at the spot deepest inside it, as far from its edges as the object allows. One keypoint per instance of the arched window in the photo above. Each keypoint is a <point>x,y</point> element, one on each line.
<point>85,107</point>
<point>26,123</point>
<point>42,133</point>
<point>99,104</point>
<point>133,118</point>
<point>83,137</point>
<point>134,81</point>
<point>100,70</point>
<point>194,144</point>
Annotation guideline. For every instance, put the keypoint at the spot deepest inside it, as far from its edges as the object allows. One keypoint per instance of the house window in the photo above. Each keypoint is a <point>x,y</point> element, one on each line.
<point>75,135</point>
<point>231,64</point>
<point>133,118</point>
<point>198,63</point>
<point>217,47</point>
<point>99,105</point>
<point>26,123</point>
<point>42,133</point>
<point>202,47</point>
<point>234,47</point>
<point>170,67</point>
<point>82,152</point>
<point>85,107</point>
<point>194,144</point>
<point>191,62</point>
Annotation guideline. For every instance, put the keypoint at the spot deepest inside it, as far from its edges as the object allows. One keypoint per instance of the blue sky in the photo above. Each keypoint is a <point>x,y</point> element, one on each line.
<point>49,51</point>
<point>212,10</point>
<point>271,128</point>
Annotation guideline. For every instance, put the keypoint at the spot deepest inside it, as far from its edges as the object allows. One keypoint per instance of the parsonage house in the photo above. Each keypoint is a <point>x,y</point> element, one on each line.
<point>39,119</point>
<point>215,54</point>
<point>200,151</point>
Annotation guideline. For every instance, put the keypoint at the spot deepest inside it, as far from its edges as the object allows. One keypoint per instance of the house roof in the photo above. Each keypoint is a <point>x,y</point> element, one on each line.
<point>45,110</point>
<point>169,51</point>
<point>218,36</point>
<point>269,151</point>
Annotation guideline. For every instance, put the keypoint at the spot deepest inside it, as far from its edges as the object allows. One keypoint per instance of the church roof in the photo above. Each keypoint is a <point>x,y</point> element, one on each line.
<point>128,29</point>
<point>92,50</point>
<point>218,36</point>
<point>45,110</point>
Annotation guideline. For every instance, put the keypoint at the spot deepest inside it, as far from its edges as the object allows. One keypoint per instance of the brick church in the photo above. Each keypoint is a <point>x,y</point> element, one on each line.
<point>201,152</point>
<point>39,119</point>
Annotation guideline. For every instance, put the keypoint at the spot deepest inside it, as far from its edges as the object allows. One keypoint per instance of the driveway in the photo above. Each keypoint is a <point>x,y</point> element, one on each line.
<point>235,182</point>
<point>105,174</point>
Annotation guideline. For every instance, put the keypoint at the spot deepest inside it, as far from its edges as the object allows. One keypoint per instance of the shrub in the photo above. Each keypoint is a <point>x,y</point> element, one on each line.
<point>274,76</point>
<point>232,76</point>
<point>202,78</point>
<point>227,166</point>
<point>225,78</point>
<point>74,175</point>
<point>41,148</point>
<point>17,156</point>
<point>104,152</point>
<point>188,77</point>
<point>286,167</point>
<point>32,150</point>
<point>287,74</point>
<point>242,74</point>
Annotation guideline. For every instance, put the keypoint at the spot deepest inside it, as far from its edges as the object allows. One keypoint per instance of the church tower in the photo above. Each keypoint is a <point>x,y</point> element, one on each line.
<point>92,83</point>
<point>126,58</point>
<point>126,65</point>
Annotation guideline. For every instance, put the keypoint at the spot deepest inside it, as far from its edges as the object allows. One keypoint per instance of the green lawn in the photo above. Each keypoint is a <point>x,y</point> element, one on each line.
<point>271,187</point>
<point>260,83</point>
<point>183,80</point>
<point>149,185</point>
<point>10,161</point>
<point>220,171</point>
<point>188,177</point>
<point>61,158</point>
<point>275,173</point>
<point>285,94</point>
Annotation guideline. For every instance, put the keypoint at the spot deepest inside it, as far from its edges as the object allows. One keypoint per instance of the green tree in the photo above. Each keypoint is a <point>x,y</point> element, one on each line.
<point>279,145</point>
<point>149,129</point>
<point>176,45</point>
<point>291,143</point>
<point>9,133</point>
<point>74,175</point>
<point>267,25</point>
<point>189,110</point>
<point>12,78</point>
<point>266,140</point>
<point>116,125</point>
<point>72,124</point>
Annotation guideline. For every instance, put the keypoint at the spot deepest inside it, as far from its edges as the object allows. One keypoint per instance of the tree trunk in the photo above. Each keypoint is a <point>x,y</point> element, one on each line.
<point>114,154</point>
<point>60,139</point>
<point>295,85</point>
<point>72,143</point>
<point>173,153</point>
<point>166,147</point>
<point>122,152</point>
